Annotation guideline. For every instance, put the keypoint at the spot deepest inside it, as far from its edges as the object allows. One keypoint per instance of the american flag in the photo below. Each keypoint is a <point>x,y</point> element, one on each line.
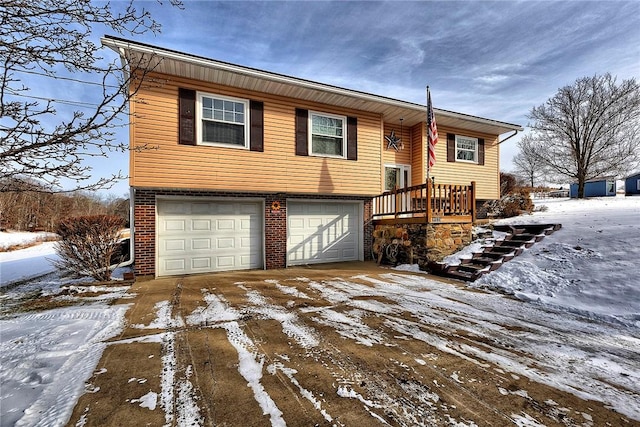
<point>433,130</point>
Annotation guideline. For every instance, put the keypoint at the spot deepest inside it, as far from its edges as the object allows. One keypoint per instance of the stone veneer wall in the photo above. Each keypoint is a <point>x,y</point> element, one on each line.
<point>421,243</point>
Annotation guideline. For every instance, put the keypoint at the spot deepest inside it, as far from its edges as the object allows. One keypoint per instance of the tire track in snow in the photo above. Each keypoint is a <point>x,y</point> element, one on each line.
<point>218,314</point>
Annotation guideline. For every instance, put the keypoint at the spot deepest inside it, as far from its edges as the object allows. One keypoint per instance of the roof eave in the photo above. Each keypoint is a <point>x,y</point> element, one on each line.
<point>389,108</point>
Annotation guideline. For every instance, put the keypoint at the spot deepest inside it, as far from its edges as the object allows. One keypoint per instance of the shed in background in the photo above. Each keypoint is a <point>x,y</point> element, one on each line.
<point>598,187</point>
<point>632,184</point>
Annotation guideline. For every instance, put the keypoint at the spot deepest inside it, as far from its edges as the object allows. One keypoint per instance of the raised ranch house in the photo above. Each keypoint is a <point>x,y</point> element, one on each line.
<point>248,169</point>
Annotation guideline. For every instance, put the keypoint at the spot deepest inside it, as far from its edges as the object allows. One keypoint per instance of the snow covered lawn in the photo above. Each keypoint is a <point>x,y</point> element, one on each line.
<point>551,338</point>
<point>10,239</point>
<point>24,264</point>
<point>46,356</point>
<point>591,266</point>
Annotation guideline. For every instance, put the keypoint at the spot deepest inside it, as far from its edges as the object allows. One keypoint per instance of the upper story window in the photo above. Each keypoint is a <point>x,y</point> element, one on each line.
<point>222,121</point>
<point>327,136</point>
<point>466,149</point>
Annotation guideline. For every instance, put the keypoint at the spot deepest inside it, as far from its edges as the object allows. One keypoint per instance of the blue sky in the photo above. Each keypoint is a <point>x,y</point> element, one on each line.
<point>491,59</point>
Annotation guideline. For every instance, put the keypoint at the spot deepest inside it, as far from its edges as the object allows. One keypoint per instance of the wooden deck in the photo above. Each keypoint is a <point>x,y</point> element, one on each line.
<point>426,203</point>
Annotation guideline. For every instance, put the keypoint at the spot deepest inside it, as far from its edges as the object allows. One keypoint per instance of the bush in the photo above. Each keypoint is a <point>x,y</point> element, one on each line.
<point>88,244</point>
<point>513,204</point>
<point>508,184</point>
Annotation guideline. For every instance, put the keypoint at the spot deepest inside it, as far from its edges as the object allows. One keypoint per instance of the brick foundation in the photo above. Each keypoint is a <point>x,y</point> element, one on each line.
<point>275,221</point>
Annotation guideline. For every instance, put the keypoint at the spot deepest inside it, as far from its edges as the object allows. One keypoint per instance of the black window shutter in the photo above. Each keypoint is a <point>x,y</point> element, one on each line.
<point>480,151</point>
<point>352,138</point>
<point>451,147</point>
<point>302,141</point>
<point>187,116</point>
<point>256,137</point>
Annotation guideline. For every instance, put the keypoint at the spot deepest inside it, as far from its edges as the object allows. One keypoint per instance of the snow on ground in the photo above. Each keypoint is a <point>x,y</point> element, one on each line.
<point>26,263</point>
<point>47,356</point>
<point>16,238</point>
<point>580,288</point>
<point>594,359</point>
<point>590,266</point>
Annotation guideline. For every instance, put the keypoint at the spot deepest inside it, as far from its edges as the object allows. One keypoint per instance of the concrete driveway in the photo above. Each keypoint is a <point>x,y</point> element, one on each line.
<point>349,344</point>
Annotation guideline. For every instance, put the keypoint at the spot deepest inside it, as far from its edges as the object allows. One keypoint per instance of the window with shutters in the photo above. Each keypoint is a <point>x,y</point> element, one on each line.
<point>327,136</point>
<point>466,149</point>
<point>222,121</point>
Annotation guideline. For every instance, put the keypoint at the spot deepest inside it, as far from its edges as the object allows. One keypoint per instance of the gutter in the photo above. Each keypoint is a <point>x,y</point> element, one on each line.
<point>515,132</point>
<point>122,47</point>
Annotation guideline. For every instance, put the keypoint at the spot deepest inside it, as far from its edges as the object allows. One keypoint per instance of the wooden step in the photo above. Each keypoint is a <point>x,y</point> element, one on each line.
<point>465,276</point>
<point>473,268</point>
<point>488,255</point>
<point>493,263</point>
<point>499,250</point>
<point>519,237</point>
<point>509,244</point>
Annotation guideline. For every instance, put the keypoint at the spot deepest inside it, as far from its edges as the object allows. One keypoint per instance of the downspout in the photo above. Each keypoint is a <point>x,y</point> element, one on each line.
<point>131,228</point>
<point>127,76</point>
<point>515,132</point>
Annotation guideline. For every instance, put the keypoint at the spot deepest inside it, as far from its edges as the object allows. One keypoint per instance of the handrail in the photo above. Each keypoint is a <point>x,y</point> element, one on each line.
<point>445,201</point>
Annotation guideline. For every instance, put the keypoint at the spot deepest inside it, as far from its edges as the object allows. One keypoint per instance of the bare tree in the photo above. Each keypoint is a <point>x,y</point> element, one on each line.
<point>528,163</point>
<point>589,129</point>
<point>40,209</point>
<point>50,40</point>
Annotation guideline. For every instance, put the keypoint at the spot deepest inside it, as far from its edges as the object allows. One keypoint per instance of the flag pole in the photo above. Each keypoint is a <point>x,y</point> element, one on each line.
<point>429,195</point>
<point>428,142</point>
<point>432,140</point>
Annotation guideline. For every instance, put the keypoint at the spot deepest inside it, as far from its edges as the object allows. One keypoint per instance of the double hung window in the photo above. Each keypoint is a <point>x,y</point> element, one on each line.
<point>222,121</point>
<point>328,135</point>
<point>466,149</point>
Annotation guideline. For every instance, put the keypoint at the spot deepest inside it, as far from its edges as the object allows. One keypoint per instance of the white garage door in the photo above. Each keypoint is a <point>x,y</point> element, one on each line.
<point>323,232</point>
<point>206,236</point>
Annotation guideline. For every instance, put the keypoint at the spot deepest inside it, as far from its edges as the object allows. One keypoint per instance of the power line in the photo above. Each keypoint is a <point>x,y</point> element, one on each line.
<point>59,101</point>
<point>67,78</point>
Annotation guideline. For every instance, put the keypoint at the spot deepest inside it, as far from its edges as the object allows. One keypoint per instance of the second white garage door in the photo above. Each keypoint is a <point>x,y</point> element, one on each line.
<point>203,236</point>
<point>323,231</point>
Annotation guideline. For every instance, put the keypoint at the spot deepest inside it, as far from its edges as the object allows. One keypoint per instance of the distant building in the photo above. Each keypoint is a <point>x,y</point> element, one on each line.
<point>598,187</point>
<point>632,184</point>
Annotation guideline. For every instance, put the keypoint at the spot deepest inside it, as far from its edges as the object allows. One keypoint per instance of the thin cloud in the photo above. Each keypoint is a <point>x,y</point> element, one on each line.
<point>492,59</point>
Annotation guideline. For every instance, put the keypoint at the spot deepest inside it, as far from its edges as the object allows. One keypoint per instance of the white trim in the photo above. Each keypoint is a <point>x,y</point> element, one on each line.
<point>360,205</point>
<point>260,200</point>
<point>403,168</point>
<point>157,54</point>
<point>475,153</point>
<point>199,119</point>
<point>310,134</point>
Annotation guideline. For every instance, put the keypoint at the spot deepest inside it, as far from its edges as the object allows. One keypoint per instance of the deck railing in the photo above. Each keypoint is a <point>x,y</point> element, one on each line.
<point>431,203</point>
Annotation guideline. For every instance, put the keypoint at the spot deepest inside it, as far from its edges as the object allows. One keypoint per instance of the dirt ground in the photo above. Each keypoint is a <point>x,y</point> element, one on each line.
<point>310,372</point>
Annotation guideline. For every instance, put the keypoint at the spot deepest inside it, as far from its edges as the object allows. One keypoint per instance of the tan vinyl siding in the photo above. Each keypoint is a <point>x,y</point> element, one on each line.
<point>418,153</point>
<point>277,169</point>
<point>390,155</point>
<point>487,176</point>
